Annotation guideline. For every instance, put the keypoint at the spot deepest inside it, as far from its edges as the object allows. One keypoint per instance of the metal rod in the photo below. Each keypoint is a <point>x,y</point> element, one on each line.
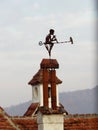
<point>71,41</point>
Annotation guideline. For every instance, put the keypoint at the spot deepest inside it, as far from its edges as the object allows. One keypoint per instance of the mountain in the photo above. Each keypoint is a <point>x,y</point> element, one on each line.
<point>81,102</point>
<point>18,110</point>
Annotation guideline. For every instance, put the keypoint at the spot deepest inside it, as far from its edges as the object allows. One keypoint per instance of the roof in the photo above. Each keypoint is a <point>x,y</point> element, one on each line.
<point>31,111</point>
<point>5,122</point>
<point>34,108</point>
<point>38,78</point>
<point>49,111</point>
<point>71,122</point>
<point>25,123</point>
<point>16,123</point>
<point>81,122</point>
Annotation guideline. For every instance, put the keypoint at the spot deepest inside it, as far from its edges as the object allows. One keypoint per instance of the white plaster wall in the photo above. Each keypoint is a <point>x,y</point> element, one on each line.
<point>34,96</point>
<point>52,118</point>
<point>41,95</point>
<point>37,96</point>
<point>53,127</point>
<point>50,127</point>
<point>50,122</point>
<point>57,92</point>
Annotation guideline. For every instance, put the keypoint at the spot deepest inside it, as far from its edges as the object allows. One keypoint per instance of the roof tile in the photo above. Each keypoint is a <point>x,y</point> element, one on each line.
<point>71,122</point>
<point>38,78</point>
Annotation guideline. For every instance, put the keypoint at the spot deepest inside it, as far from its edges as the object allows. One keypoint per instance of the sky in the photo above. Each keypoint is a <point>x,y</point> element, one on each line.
<point>24,23</point>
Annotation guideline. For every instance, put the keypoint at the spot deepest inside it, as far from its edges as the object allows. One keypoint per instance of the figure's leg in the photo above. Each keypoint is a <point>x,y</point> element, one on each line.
<point>47,47</point>
<point>51,46</point>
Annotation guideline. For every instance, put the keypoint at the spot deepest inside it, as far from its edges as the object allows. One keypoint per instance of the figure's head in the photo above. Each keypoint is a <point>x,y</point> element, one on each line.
<point>51,31</point>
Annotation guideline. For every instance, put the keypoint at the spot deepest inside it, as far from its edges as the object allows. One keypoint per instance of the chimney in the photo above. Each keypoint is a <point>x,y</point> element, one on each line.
<point>50,118</point>
<point>49,76</point>
<point>41,86</point>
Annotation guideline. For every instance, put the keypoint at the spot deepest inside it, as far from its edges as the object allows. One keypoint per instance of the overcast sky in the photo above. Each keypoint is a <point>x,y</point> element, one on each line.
<point>23,23</point>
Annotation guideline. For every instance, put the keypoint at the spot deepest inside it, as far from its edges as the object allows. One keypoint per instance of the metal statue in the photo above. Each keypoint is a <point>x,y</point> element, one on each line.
<point>51,39</point>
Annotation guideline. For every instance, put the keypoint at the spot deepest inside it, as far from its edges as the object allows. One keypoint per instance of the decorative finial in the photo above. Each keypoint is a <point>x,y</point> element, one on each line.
<point>51,39</point>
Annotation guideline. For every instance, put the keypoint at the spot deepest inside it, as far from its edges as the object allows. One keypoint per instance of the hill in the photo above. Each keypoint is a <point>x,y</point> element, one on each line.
<point>81,102</point>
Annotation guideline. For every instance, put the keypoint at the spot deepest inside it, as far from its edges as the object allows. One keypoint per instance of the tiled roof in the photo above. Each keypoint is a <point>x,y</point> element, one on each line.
<point>25,123</point>
<point>81,122</point>
<point>49,111</point>
<point>16,123</point>
<point>38,79</point>
<point>32,109</point>
<point>71,122</point>
<point>5,122</point>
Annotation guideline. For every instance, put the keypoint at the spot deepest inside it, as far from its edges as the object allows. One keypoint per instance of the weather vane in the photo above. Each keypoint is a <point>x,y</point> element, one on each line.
<point>50,40</point>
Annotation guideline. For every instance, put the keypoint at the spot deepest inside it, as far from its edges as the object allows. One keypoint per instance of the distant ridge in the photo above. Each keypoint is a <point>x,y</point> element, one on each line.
<point>81,102</point>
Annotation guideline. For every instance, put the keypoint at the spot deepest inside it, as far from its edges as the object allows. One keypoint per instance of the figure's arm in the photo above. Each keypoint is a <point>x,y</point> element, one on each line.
<point>54,38</point>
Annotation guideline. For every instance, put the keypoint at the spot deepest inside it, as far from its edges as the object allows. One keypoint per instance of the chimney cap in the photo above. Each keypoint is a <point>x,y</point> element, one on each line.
<point>49,63</point>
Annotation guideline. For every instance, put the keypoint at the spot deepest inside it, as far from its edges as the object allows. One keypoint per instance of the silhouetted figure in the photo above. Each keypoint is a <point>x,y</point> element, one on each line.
<point>49,41</point>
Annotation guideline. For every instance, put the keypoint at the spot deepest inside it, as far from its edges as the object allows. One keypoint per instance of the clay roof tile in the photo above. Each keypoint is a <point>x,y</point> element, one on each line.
<point>38,79</point>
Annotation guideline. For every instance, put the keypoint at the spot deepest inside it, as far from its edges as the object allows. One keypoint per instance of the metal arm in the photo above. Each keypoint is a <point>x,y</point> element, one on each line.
<point>70,40</point>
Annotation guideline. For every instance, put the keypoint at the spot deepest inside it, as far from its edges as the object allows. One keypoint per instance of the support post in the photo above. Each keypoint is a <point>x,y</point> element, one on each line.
<point>53,90</point>
<point>45,87</point>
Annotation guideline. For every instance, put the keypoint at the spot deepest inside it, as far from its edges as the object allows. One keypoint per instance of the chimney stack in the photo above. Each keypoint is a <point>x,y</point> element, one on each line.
<point>49,75</point>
